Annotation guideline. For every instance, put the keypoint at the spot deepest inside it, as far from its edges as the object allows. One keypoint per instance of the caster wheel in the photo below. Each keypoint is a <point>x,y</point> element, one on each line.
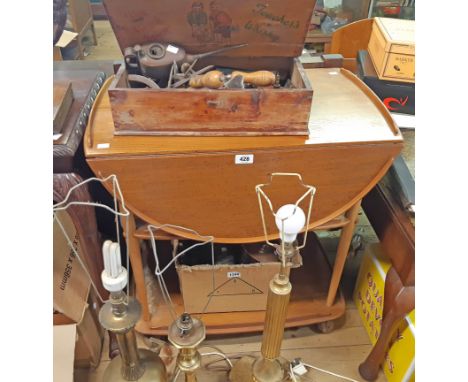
<point>325,327</point>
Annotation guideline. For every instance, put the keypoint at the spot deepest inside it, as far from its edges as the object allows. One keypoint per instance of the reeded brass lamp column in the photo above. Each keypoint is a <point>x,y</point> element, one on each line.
<point>290,220</point>
<point>120,315</point>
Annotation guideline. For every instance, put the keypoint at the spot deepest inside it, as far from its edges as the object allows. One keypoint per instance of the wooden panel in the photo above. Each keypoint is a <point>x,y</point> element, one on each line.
<point>208,112</point>
<point>120,80</point>
<point>99,12</point>
<point>177,188</point>
<point>276,28</point>
<point>57,54</point>
<point>350,38</point>
<point>298,76</point>
<point>80,13</point>
<point>63,98</point>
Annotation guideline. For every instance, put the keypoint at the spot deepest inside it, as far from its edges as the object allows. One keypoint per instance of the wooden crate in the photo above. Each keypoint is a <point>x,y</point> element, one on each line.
<point>275,34</point>
<point>212,112</point>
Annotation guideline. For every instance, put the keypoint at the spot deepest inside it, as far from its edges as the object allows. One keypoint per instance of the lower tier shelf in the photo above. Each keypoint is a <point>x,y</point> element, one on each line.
<point>307,306</point>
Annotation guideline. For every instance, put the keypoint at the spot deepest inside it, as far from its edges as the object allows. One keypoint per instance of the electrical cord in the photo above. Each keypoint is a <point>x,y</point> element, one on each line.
<point>159,273</point>
<point>293,374</point>
<point>224,356</point>
<point>329,372</point>
<point>231,357</point>
<point>176,375</point>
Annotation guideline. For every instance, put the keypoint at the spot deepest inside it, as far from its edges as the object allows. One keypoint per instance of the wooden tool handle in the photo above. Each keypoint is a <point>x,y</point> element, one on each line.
<point>258,78</point>
<point>213,80</point>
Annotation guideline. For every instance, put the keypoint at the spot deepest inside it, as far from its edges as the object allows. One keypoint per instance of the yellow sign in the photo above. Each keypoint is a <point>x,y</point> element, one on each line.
<point>399,363</point>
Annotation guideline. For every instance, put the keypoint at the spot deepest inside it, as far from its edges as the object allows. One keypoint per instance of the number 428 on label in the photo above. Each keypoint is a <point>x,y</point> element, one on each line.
<point>244,159</point>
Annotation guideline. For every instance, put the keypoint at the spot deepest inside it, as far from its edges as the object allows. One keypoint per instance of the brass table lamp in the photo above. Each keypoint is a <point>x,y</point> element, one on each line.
<point>186,333</point>
<point>290,220</point>
<point>120,315</point>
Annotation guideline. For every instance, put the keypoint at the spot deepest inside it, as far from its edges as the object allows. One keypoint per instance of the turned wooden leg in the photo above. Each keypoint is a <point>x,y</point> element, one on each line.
<point>95,42</point>
<point>398,302</point>
<point>342,252</point>
<point>137,267</point>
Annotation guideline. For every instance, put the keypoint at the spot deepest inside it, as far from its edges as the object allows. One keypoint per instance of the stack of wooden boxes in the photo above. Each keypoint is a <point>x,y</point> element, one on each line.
<point>388,64</point>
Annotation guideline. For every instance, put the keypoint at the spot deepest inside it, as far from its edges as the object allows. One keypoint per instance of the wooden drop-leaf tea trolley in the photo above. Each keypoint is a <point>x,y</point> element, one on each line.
<point>192,157</point>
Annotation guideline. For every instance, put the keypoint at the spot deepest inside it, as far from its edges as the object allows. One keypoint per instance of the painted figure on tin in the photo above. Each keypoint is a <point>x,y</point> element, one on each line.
<point>198,20</point>
<point>217,27</point>
<point>220,22</point>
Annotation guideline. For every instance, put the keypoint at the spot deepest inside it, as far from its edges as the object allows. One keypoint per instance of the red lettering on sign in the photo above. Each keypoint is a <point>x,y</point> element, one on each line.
<point>389,100</point>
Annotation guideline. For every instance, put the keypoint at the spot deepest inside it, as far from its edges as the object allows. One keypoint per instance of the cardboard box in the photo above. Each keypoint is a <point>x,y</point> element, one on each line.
<point>232,287</point>
<point>398,97</point>
<point>65,39</point>
<point>399,365</point>
<point>70,282</point>
<point>89,341</point>
<point>75,305</point>
<point>392,49</point>
<point>64,352</point>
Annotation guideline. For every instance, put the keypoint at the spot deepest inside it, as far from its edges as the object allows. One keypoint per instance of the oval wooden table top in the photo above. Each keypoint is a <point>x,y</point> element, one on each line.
<point>344,110</point>
<point>193,181</point>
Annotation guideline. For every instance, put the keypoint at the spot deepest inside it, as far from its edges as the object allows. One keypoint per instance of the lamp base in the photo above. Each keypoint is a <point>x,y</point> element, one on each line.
<point>267,370</point>
<point>259,370</point>
<point>155,370</point>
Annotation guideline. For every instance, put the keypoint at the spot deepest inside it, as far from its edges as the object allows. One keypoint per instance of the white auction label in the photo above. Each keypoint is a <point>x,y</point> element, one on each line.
<point>172,49</point>
<point>233,275</point>
<point>244,159</point>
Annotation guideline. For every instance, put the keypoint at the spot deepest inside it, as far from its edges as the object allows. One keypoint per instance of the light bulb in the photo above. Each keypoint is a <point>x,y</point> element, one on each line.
<point>114,276</point>
<point>291,219</point>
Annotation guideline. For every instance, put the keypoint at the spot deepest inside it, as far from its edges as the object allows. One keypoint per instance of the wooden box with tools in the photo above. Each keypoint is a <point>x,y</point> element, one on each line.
<point>188,56</point>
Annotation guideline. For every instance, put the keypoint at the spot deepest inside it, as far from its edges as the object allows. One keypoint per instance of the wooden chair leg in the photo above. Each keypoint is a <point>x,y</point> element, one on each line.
<point>342,252</point>
<point>80,46</point>
<point>398,302</point>
<point>137,269</point>
<point>95,42</point>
